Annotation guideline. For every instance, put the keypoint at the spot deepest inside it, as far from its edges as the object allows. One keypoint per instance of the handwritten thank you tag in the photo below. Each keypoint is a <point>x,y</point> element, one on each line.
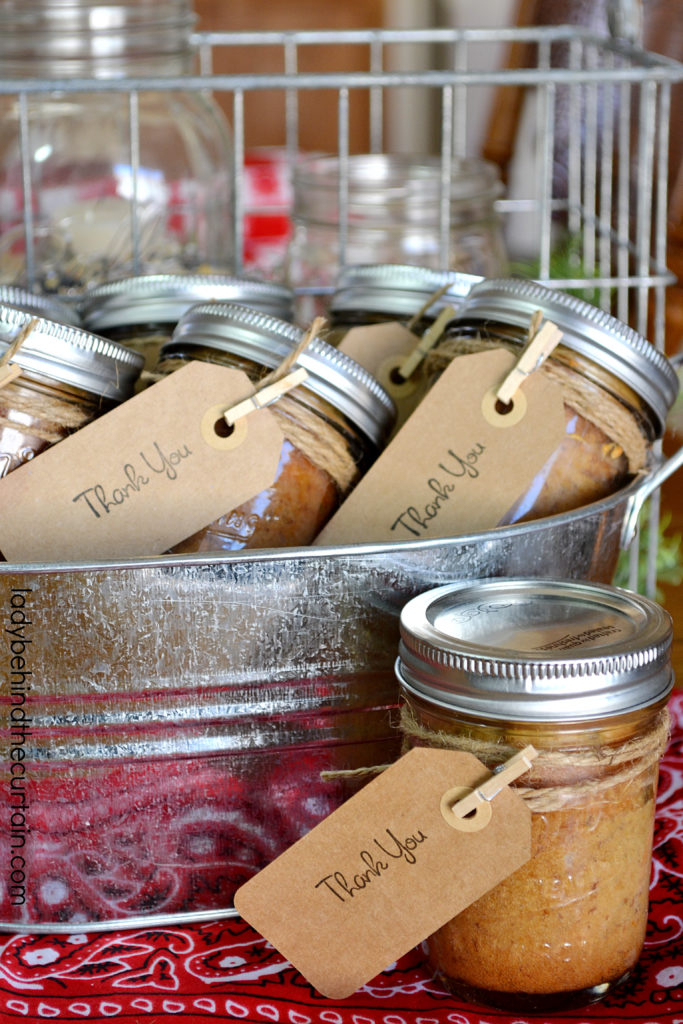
<point>143,477</point>
<point>385,870</point>
<point>458,464</point>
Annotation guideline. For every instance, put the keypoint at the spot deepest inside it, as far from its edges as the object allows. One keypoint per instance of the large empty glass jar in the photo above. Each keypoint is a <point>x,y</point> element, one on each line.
<point>100,184</point>
<point>393,209</point>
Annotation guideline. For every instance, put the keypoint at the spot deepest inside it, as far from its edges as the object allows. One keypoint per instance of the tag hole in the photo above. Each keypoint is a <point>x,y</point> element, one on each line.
<point>503,408</point>
<point>477,819</point>
<point>222,428</point>
<point>395,376</point>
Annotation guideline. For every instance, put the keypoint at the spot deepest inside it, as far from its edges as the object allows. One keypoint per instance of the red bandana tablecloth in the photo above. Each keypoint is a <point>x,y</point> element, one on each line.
<point>226,970</point>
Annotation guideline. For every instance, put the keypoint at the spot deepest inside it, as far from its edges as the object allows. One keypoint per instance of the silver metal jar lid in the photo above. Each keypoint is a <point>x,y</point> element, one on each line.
<point>242,331</point>
<point>38,304</point>
<point>68,355</point>
<point>535,650</point>
<point>398,289</point>
<point>586,329</point>
<point>164,298</point>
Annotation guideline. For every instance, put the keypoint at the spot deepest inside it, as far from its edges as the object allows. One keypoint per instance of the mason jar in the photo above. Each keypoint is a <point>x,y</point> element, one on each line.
<point>333,425</point>
<point>142,312</point>
<point>68,378</point>
<point>370,300</point>
<point>393,214</point>
<point>370,293</point>
<point>121,182</point>
<point>48,306</point>
<point>581,672</point>
<point>617,388</point>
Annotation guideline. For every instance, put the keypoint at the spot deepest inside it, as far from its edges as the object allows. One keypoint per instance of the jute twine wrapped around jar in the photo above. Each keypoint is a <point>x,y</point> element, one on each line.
<point>586,398</point>
<point>307,430</point>
<point>558,776</point>
<point>51,417</point>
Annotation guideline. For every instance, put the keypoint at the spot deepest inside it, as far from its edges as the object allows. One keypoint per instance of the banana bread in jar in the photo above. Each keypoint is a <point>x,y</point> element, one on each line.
<point>617,388</point>
<point>333,425</point>
<point>581,672</point>
<point>142,312</point>
<point>67,378</point>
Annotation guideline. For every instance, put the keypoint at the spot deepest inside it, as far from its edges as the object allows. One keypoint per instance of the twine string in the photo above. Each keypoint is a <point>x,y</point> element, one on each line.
<point>585,398</point>
<point>616,764</point>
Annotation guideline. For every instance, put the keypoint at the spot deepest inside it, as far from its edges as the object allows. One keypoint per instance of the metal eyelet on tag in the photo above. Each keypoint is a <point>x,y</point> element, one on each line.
<point>498,414</point>
<point>474,821</point>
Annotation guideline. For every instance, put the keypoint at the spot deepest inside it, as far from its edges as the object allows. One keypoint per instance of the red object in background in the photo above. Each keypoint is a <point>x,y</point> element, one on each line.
<point>225,970</point>
<point>267,204</point>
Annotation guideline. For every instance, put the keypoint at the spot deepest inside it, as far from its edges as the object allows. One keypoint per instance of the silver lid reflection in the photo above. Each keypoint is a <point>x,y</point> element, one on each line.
<point>38,304</point>
<point>164,298</point>
<point>399,289</point>
<point>535,650</point>
<point>71,356</point>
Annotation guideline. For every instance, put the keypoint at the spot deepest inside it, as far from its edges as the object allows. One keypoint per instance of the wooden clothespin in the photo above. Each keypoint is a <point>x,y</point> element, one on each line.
<point>265,396</point>
<point>537,349</point>
<point>502,776</point>
<point>426,343</point>
<point>10,371</point>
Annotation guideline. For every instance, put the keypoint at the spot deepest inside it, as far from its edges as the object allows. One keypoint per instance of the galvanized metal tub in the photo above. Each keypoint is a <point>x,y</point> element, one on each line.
<point>171,724</point>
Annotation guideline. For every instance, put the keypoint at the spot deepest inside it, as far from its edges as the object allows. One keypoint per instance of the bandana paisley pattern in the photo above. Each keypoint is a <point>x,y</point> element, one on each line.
<point>225,969</point>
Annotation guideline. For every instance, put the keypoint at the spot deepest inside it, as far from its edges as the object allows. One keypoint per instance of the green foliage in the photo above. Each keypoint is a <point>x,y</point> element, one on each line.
<point>669,564</point>
<point>565,262</point>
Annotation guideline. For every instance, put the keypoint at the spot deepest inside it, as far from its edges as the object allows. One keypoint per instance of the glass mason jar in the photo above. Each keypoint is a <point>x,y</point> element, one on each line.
<point>68,378</point>
<point>393,214</point>
<point>581,672</point>
<point>368,295</point>
<point>372,293</point>
<point>48,306</point>
<point>107,203</point>
<point>142,312</point>
<point>334,424</point>
<point>617,388</point>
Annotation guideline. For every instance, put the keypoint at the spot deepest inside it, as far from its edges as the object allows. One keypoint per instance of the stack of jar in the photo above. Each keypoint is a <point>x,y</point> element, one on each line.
<point>617,389</point>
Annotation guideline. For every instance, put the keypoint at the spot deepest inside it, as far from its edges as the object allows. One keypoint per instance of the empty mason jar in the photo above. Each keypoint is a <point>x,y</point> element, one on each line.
<point>394,215</point>
<point>107,200</point>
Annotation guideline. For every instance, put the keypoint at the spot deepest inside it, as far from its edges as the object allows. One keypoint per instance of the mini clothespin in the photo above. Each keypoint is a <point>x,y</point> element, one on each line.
<point>502,776</point>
